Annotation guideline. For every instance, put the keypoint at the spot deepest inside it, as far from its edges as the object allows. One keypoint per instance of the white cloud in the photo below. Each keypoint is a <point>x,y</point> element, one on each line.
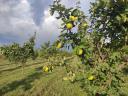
<point>17,22</point>
<point>49,28</point>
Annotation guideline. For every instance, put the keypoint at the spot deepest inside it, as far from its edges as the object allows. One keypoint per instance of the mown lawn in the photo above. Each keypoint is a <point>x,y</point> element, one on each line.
<point>34,82</point>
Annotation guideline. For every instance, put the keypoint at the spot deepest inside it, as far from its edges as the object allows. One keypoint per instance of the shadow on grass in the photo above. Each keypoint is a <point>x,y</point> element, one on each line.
<point>5,64</point>
<point>11,69</point>
<point>24,83</point>
<point>125,71</point>
<point>39,68</point>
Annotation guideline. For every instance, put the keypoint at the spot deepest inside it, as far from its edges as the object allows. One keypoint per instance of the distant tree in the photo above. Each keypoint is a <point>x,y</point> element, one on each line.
<point>20,54</point>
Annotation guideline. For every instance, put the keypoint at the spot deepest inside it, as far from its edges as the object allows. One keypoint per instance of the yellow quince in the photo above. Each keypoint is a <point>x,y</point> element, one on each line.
<point>91,78</point>
<point>59,45</point>
<point>69,25</point>
<point>73,18</point>
<point>45,69</point>
<point>80,51</point>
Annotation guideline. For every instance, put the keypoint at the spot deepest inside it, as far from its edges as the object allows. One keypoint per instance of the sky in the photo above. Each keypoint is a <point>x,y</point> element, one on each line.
<point>19,19</point>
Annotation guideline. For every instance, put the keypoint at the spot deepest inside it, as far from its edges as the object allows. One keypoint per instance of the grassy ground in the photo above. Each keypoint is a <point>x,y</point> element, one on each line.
<point>35,82</point>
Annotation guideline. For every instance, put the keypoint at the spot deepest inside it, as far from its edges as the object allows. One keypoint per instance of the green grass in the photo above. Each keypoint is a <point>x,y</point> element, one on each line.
<point>35,82</point>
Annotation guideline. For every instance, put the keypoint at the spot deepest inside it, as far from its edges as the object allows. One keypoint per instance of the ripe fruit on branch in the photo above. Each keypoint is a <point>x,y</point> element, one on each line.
<point>69,25</point>
<point>73,18</point>
<point>59,45</point>
<point>84,24</point>
<point>80,51</point>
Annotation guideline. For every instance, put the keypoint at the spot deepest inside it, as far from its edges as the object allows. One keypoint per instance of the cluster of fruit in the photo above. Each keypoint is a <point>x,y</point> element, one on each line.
<point>48,68</point>
<point>69,26</point>
<point>72,19</point>
<point>78,51</point>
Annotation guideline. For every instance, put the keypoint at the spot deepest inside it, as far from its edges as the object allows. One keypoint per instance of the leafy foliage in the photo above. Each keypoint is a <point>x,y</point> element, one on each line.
<point>48,49</point>
<point>16,53</point>
<point>109,20</point>
<point>68,37</point>
<point>103,51</point>
<point>100,42</point>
